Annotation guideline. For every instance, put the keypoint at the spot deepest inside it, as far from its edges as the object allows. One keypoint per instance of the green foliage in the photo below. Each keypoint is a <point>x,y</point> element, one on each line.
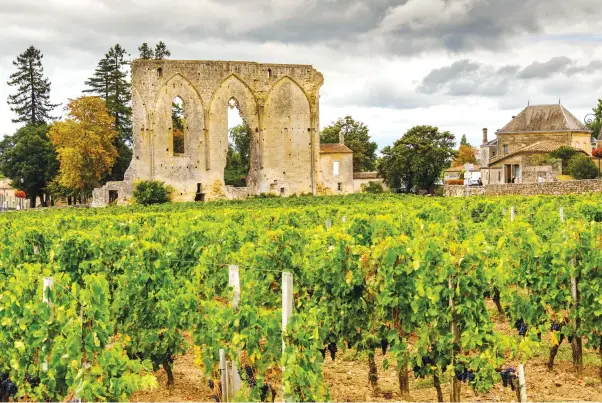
<point>596,122</point>
<point>356,138</point>
<point>418,158</point>
<point>238,157</point>
<point>393,271</point>
<point>564,153</point>
<point>151,192</point>
<point>146,52</point>
<point>372,187</point>
<point>110,83</point>
<point>29,160</point>
<point>161,51</point>
<point>31,103</point>
<point>464,141</point>
<point>581,166</point>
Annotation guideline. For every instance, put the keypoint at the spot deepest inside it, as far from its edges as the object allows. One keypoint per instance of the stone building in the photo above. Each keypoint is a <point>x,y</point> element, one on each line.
<point>519,149</point>
<point>279,103</point>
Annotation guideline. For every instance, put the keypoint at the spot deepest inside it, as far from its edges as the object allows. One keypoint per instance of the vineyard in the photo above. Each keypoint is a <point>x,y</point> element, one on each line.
<point>95,303</point>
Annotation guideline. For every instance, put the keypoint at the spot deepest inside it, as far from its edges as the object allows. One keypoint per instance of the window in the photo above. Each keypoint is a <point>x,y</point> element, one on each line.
<point>505,148</point>
<point>178,125</point>
<point>340,186</point>
<point>281,191</point>
<point>269,73</point>
<point>499,176</point>
<point>578,145</point>
<point>335,168</point>
<point>160,72</point>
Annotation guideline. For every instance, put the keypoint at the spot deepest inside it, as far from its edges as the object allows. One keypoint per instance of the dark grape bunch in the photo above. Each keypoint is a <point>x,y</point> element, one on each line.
<point>250,376</point>
<point>522,327</point>
<point>496,298</point>
<point>556,326</point>
<point>267,387</point>
<point>508,377</point>
<point>332,347</point>
<point>33,382</point>
<point>211,384</point>
<point>7,388</point>
<point>466,375</point>
<point>384,345</point>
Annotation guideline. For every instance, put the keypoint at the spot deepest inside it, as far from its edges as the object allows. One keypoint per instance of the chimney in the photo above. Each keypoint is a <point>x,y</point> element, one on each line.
<point>484,135</point>
<point>341,137</point>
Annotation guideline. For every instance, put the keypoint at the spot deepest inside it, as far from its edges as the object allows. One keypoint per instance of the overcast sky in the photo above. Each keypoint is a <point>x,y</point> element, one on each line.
<point>458,64</point>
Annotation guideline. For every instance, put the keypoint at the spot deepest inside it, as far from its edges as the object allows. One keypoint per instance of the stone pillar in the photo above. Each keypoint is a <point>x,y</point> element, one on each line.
<point>484,135</point>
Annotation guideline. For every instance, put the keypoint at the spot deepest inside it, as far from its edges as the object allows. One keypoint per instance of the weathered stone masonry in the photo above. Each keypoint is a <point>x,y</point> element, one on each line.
<point>280,103</point>
<point>527,189</point>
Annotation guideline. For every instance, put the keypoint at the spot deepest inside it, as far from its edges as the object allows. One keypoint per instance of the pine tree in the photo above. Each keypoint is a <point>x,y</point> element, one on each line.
<point>146,52</point>
<point>464,142</point>
<point>31,103</point>
<point>161,51</point>
<point>110,83</point>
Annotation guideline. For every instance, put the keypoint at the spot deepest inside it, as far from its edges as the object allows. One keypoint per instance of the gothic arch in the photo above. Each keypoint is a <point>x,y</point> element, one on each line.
<point>294,82</point>
<point>232,87</point>
<point>287,138</point>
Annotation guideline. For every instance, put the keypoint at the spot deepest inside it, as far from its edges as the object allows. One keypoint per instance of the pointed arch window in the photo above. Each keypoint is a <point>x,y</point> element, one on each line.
<point>178,126</point>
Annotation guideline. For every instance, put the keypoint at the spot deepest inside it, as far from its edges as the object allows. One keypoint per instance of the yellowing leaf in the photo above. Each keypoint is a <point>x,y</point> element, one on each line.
<point>349,277</point>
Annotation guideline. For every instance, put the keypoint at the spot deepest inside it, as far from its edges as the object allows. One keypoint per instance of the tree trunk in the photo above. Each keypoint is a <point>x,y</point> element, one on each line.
<point>372,373</point>
<point>68,200</point>
<point>497,302</point>
<point>32,201</point>
<point>437,384</point>
<point>577,347</point>
<point>404,380</point>
<point>170,378</point>
<point>553,352</point>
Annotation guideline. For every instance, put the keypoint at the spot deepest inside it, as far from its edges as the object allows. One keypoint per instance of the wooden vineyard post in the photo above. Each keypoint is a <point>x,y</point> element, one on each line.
<point>287,311</point>
<point>344,219</point>
<point>46,288</point>
<point>512,213</point>
<point>522,383</point>
<point>577,342</point>
<point>234,282</point>
<point>328,224</point>
<point>223,369</point>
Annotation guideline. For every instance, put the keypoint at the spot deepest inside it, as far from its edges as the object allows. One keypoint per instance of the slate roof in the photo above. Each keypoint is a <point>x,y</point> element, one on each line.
<point>335,148</point>
<point>544,118</point>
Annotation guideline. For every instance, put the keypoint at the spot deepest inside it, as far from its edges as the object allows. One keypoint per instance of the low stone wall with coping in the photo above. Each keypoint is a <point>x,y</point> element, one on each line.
<point>526,189</point>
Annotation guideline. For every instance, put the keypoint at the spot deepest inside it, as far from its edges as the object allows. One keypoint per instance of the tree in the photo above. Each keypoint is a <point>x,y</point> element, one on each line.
<point>466,155</point>
<point>31,103</point>
<point>110,83</point>
<point>161,51</point>
<point>596,122</point>
<point>464,142</point>
<point>28,159</point>
<point>238,157</point>
<point>418,158</point>
<point>146,52</point>
<point>152,192</point>
<point>84,143</point>
<point>356,137</point>
<point>581,166</point>
<point>564,153</point>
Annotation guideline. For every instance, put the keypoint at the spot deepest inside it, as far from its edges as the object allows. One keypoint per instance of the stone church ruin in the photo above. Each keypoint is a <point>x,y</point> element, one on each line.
<point>280,105</point>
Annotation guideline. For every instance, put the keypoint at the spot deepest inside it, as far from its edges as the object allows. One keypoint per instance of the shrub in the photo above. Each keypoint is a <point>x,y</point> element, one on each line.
<point>565,153</point>
<point>152,192</point>
<point>454,182</point>
<point>581,166</point>
<point>372,187</point>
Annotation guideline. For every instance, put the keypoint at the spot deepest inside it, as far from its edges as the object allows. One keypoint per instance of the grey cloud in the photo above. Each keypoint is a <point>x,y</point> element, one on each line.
<point>465,77</point>
<point>547,69</point>
<point>470,78</point>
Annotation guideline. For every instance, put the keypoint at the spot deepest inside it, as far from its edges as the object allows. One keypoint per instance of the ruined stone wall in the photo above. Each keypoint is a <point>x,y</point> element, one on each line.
<point>527,189</point>
<point>278,102</point>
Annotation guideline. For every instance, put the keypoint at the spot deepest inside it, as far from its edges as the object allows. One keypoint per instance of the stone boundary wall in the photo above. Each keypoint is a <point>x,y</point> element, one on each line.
<point>526,189</point>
